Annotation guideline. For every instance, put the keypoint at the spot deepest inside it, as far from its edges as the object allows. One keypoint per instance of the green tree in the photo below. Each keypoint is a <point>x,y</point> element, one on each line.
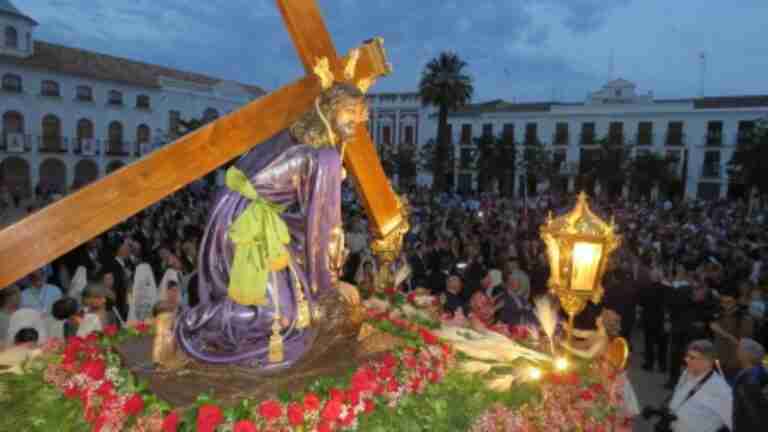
<point>537,164</point>
<point>608,165</point>
<point>446,86</point>
<point>749,161</point>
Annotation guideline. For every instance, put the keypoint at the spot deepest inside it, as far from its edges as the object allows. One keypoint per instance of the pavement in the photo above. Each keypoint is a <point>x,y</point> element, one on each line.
<point>649,386</point>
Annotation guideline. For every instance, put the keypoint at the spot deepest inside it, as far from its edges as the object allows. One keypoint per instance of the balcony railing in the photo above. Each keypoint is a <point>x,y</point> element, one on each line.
<point>744,137</point>
<point>25,143</point>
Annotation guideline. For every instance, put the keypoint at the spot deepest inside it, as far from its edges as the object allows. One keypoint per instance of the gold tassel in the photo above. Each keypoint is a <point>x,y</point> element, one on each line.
<point>276,354</point>
<point>302,306</point>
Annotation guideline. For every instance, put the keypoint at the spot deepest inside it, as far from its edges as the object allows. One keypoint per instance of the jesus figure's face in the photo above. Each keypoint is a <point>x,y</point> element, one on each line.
<point>349,116</point>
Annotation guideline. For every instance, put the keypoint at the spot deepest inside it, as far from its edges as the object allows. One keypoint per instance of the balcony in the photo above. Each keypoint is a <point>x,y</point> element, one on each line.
<point>52,144</point>
<point>711,171</point>
<point>644,139</point>
<point>744,137</point>
<point>616,139</point>
<point>675,139</point>
<point>15,143</point>
<point>587,139</point>
<point>560,138</point>
<point>713,139</point>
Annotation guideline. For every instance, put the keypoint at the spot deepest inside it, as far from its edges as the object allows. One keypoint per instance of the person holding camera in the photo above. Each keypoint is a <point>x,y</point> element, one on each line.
<point>702,400</point>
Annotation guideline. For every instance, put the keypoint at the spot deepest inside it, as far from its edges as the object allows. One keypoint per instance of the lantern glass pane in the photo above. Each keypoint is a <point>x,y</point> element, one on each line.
<point>586,258</point>
<point>553,250</point>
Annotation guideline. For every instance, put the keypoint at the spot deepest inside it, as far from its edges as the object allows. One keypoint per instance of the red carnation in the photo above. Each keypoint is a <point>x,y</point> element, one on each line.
<point>336,394</point>
<point>105,389</point>
<point>389,360</point>
<point>352,397</point>
<point>311,402</point>
<point>71,392</point>
<point>587,395</point>
<point>94,369</point>
<point>385,373</point>
<point>331,410</point>
<point>270,410</point>
<point>433,376</point>
<point>141,327</point>
<point>208,418</point>
<point>363,378</point>
<point>244,426</point>
<point>411,298</point>
<point>428,337</point>
<point>171,422</point>
<point>295,414</point>
<point>392,385</point>
<point>111,330</point>
<point>134,405</point>
<point>325,426</point>
<point>370,406</point>
<point>410,361</point>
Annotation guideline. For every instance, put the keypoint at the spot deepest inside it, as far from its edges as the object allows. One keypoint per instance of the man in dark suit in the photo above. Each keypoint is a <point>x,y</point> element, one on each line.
<point>652,319</point>
<point>121,268</point>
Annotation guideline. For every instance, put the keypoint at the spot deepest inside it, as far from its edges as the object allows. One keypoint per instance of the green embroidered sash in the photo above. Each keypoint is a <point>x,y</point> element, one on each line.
<point>260,236</point>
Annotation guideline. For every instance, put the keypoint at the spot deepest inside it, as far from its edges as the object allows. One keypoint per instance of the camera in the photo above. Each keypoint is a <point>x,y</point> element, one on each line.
<point>666,417</point>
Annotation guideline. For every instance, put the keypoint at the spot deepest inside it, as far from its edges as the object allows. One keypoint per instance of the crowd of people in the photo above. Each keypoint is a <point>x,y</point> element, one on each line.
<point>689,277</point>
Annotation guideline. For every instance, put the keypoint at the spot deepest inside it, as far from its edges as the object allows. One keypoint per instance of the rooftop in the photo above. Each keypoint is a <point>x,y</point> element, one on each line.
<point>7,8</point>
<point>89,64</point>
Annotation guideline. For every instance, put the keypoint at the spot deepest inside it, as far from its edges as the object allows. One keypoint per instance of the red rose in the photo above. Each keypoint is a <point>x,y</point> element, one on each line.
<point>134,405</point>
<point>244,426</point>
<point>311,402</point>
<point>295,414</point>
<point>385,374</point>
<point>336,394</point>
<point>171,422</point>
<point>331,410</point>
<point>92,338</point>
<point>410,361</point>
<point>428,337</point>
<point>433,376</point>
<point>389,360</point>
<point>411,298</point>
<point>363,379</point>
<point>94,369</point>
<point>270,410</point>
<point>208,418</point>
<point>325,426</point>
<point>587,395</point>
<point>370,406</point>
<point>111,330</point>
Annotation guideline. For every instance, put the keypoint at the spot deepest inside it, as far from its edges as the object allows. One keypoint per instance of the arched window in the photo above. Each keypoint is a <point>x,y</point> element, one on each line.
<point>84,129</point>
<point>13,122</point>
<point>115,98</point>
<point>11,38</point>
<point>50,88</point>
<point>12,83</point>
<point>84,94</point>
<point>142,101</point>
<point>142,134</point>
<point>115,137</point>
<point>210,114</point>
<point>51,132</point>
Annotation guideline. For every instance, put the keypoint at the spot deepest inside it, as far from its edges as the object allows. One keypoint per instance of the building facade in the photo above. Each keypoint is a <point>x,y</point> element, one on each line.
<point>397,121</point>
<point>700,134</point>
<point>70,116</point>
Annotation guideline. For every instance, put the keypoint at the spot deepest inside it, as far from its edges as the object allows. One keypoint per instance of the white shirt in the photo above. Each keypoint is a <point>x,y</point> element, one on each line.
<point>707,410</point>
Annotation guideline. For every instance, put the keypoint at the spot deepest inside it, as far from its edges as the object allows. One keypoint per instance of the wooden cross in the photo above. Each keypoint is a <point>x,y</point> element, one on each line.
<point>55,230</point>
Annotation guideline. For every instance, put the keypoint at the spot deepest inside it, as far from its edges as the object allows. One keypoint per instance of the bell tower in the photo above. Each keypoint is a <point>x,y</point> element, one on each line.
<point>15,31</point>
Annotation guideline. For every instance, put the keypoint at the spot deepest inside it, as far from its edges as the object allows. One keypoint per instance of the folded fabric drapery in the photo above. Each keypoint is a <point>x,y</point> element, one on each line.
<point>260,236</point>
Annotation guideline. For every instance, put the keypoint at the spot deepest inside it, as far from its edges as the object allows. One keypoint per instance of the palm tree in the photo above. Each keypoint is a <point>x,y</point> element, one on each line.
<point>444,85</point>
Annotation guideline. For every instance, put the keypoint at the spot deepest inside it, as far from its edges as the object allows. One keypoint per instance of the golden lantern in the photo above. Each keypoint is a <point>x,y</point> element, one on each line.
<point>579,245</point>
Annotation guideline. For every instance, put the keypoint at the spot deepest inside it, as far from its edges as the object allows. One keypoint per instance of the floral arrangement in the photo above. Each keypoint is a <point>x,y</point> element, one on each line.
<point>87,371</point>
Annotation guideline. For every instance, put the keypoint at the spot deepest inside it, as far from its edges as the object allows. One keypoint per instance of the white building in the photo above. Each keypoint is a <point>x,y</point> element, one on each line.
<point>70,116</point>
<point>398,120</point>
<point>701,133</point>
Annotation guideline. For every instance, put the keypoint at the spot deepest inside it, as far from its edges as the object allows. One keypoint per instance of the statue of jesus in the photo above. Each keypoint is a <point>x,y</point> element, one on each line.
<point>273,245</point>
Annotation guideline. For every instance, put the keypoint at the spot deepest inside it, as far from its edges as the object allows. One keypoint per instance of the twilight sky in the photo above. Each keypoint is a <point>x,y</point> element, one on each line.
<point>516,49</point>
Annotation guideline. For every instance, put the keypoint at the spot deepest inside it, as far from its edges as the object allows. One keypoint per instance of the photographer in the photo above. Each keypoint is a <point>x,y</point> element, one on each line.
<point>702,400</point>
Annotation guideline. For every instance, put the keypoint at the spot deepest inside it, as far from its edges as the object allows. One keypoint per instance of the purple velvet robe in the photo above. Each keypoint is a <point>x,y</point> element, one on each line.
<point>305,180</point>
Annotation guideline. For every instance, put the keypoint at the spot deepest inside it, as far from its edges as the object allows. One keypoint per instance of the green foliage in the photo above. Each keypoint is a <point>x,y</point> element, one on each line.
<point>750,159</point>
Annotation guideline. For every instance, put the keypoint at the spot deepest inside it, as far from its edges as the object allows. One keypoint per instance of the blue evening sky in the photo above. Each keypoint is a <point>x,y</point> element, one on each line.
<point>522,49</point>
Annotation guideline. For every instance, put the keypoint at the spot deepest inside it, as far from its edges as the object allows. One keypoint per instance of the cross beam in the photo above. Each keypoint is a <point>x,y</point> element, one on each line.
<point>60,227</point>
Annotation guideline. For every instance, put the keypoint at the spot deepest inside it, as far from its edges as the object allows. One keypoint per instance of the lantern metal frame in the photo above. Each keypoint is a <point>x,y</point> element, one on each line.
<point>561,235</point>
